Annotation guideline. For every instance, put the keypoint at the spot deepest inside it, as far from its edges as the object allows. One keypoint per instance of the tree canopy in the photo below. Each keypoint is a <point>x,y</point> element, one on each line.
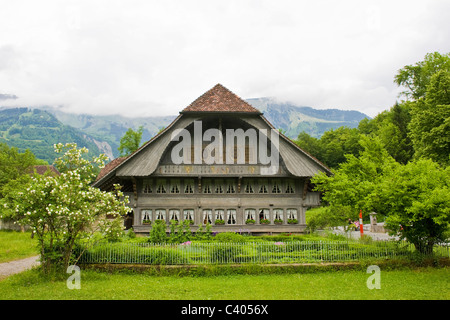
<point>130,141</point>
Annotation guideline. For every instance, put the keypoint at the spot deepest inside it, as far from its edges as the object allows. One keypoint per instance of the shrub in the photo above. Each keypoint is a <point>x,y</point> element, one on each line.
<point>229,237</point>
<point>158,232</point>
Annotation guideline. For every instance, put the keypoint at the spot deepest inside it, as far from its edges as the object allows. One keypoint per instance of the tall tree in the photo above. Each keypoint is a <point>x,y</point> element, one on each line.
<point>131,141</point>
<point>415,78</point>
<point>430,121</point>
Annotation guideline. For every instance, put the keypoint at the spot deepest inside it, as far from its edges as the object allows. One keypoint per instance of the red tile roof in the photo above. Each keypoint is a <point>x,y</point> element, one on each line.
<point>110,166</point>
<point>220,99</point>
<point>42,169</point>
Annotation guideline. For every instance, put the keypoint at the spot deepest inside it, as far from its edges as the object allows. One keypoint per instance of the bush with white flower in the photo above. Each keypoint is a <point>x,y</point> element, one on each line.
<point>65,210</point>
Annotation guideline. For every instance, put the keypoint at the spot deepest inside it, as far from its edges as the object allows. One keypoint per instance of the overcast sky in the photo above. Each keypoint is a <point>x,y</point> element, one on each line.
<point>156,57</point>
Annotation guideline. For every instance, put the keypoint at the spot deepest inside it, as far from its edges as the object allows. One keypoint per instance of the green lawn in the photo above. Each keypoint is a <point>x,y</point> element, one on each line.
<point>411,284</point>
<point>16,245</point>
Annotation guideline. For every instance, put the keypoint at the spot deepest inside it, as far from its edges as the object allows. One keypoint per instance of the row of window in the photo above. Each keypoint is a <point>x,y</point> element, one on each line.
<point>220,216</point>
<point>219,186</point>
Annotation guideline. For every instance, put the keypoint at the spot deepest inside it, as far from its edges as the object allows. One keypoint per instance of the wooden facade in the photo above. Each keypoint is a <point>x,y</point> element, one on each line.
<point>231,195</point>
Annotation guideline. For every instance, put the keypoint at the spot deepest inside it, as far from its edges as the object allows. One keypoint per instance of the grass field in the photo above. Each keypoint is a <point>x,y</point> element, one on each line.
<point>409,284</point>
<point>16,245</point>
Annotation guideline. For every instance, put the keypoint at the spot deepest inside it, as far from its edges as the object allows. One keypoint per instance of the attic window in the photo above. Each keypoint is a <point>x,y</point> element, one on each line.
<point>189,186</point>
<point>219,186</point>
<point>207,186</point>
<point>276,186</point>
<point>175,186</point>
<point>231,188</point>
<point>161,188</point>
<point>290,187</point>
<point>147,187</point>
<point>248,187</point>
<point>263,186</point>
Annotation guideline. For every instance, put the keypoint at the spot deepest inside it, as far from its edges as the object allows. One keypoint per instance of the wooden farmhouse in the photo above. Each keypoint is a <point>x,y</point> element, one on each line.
<point>219,162</point>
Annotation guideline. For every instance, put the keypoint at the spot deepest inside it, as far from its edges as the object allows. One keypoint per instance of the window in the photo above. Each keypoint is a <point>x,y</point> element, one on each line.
<point>218,186</point>
<point>188,214</point>
<point>174,186</point>
<point>250,214</point>
<point>290,187</point>
<point>174,214</point>
<point>160,214</point>
<point>248,188</point>
<point>147,186</point>
<point>207,216</point>
<point>231,216</point>
<point>276,186</point>
<point>161,188</point>
<point>263,187</point>
<point>291,214</point>
<point>207,186</point>
<point>264,216</point>
<point>231,188</point>
<point>219,216</point>
<point>146,216</point>
<point>277,214</point>
<point>189,186</point>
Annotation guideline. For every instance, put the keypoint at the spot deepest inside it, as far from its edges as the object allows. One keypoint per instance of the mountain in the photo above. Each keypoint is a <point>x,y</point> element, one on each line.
<point>38,130</point>
<point>111,128</point>
<point>295,119</point>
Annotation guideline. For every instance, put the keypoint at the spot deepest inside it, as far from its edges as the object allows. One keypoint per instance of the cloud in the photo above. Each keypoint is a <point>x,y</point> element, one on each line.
<point>156,57</point>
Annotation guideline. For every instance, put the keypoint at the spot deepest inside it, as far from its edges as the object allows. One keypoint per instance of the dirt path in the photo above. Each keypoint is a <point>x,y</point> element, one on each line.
<point>17,266</point>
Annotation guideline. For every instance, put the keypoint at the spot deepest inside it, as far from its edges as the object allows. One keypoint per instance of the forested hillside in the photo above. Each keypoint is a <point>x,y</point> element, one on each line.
<point>38,131</point>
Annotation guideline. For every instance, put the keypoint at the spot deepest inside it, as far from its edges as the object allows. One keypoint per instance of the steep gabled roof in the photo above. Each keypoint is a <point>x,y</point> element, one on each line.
<point>110,166</point>
<point>220,99</point>
<point>145,160</point>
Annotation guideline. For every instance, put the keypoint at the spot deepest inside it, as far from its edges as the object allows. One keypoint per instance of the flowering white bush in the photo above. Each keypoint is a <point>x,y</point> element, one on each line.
<point>63,210</point>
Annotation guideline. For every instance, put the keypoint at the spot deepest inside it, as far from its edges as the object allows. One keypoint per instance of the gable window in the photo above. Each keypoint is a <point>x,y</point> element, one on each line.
<point>231,216</point>
<point>160,186</point>
<point>248,187</point>
<point>207,186</point>
<point>231,188</point>
<point>218,186</point>
<point>174,214</point>
<point>290,187</point>
<point>147,186</point>
<point>263,187</point>
<point>174,186</point>
<point>189,186</point>
<point>276,186</point>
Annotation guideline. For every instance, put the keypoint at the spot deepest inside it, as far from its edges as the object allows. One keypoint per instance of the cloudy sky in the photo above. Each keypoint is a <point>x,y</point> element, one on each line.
<point>156,57</point>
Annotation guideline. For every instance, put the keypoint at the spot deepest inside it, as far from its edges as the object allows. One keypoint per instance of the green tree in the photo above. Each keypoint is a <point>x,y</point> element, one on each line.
<point>333,146</point>
<point>416,199</point>
<point>430,121</point>
<point>416,78</point>
<point>131,141</point>
<point>353,183</point>
<point>65,210</point>
<point>14,165</point>
<point>158,232</point>
<point>391,126</point>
